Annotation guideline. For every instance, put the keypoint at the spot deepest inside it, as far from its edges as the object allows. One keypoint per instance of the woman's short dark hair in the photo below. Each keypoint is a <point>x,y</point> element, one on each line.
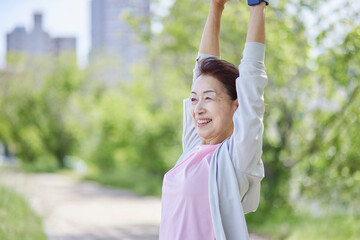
<point>223,71</point>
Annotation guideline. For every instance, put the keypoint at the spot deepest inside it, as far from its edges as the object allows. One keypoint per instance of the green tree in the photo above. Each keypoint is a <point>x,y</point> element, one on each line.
<point>130,130</point>
<point>332,166</point>
<point>36,108</point>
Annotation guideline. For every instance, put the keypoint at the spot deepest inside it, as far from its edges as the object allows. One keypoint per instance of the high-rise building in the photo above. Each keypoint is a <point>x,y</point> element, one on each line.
<point>37,41</point>
<point>111,34</point>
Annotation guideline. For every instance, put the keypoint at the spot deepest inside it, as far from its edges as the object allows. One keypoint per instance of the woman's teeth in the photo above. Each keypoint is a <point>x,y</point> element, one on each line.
<point>204,121</point>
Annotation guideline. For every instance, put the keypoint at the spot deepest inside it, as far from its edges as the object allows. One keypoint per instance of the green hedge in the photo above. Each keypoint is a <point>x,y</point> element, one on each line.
<point>17,220</point>
<point>284,224</point>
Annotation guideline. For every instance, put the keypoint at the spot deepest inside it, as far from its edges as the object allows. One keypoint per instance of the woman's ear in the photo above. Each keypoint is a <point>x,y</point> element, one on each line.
<point>235,104</point>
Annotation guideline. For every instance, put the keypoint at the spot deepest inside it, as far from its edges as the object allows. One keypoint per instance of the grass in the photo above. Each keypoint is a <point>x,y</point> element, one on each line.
<point>17,220</point>
<point>138,181</point>
<point>282,224</point>
<point>47,165</point>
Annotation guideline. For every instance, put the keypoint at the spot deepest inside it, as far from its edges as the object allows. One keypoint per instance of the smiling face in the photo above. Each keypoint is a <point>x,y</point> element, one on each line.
<point>212,110</point>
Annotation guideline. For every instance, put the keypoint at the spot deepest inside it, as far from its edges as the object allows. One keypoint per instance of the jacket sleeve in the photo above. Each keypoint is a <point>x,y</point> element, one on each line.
<point>245,145</point>
<point>190,138</point>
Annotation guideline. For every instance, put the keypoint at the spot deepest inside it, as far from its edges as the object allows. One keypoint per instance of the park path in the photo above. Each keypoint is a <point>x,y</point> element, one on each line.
<point>73,210</point>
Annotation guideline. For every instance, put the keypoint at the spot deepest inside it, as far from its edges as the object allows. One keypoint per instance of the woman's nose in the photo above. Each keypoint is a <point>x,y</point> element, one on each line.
<point>199,108</point>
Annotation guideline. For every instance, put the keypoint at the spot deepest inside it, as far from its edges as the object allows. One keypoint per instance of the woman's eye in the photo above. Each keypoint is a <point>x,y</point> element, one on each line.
<point>193,99</point>
<point>208,98</point>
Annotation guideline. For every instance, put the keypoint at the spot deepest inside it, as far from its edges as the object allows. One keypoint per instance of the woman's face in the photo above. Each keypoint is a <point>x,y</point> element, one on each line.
<point>212,110</point>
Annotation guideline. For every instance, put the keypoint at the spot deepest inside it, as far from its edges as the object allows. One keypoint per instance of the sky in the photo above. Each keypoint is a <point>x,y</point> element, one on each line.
<point>63,18</point>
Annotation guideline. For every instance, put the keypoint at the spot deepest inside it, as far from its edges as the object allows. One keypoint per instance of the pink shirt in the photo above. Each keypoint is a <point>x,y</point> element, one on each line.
<point>185,210</point>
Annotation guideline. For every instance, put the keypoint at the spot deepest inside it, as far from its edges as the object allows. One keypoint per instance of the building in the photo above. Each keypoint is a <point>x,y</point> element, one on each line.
<point>62,44</point>
<point>17,41</point>
<point>110,33</point>
<point>37,42</point>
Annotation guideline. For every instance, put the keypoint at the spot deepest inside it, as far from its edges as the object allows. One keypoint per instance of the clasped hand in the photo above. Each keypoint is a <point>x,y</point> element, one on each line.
<point>222,2</point>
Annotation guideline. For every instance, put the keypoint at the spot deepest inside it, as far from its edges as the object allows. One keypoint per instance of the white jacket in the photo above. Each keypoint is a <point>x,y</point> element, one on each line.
<point>236,168</point>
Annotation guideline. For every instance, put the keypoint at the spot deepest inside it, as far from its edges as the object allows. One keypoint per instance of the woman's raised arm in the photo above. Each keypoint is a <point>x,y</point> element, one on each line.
<point>246,142</point>
<point>211,35</point>
<point>256,30</point>
<point>209,47</point>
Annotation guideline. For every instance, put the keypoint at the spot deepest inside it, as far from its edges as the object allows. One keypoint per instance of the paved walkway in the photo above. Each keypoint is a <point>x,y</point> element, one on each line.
<point>87,211</point>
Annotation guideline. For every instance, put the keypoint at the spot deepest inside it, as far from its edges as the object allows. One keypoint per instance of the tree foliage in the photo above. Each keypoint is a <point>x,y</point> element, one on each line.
<point>35,108</point>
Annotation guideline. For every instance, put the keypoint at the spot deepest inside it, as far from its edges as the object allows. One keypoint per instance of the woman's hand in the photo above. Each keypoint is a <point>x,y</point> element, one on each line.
<point>222,2</point>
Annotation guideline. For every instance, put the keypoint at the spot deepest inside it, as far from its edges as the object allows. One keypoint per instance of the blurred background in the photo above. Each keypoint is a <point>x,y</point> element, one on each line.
<point>95,87</point>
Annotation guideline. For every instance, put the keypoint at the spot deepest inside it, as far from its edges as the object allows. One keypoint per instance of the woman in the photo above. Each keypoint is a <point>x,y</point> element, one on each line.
<point>217,178</point>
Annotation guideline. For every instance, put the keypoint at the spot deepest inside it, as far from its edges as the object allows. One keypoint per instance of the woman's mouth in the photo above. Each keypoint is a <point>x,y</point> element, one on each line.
<point>203,122</point>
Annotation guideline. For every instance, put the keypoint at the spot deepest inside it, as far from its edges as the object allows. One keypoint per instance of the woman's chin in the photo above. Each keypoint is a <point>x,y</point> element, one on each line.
<point>204,134</point>
<point>206,138</point>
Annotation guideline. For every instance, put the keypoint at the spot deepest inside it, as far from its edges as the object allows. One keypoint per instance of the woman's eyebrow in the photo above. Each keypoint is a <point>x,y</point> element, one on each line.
<point>206,91</point>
